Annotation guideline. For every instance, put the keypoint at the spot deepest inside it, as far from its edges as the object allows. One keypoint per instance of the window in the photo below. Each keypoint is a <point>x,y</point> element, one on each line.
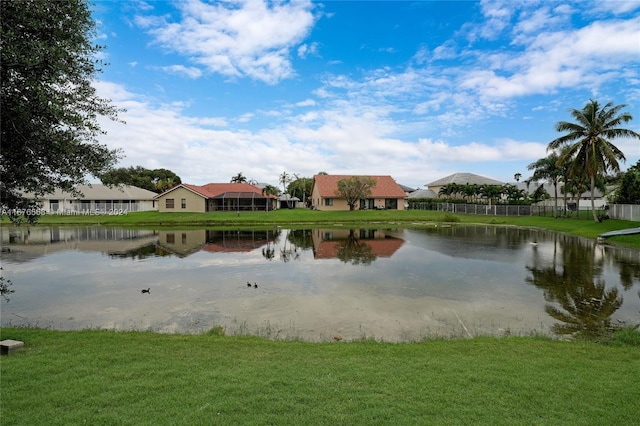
<point>171,238</point>
<point>169,203</point>
<point>183,203</point>
<point>328,201</point>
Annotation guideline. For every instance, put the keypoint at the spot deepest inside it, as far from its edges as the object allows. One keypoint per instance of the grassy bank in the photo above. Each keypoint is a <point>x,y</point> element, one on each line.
<point>578,227</point>
<point>106,377</point>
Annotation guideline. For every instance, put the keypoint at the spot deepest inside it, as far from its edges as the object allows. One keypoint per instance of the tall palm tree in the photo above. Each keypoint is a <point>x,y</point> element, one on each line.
<point>268,191</point>
<point>547,169</point>
<point>593,153</point>
<point>285,179</point>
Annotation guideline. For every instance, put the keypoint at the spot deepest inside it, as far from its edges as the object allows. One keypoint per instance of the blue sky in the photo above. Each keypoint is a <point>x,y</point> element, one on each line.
<point>416,90</point>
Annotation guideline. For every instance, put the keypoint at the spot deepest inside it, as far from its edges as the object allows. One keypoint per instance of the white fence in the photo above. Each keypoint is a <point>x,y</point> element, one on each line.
<point>481,209</point>
<point>625,211</point>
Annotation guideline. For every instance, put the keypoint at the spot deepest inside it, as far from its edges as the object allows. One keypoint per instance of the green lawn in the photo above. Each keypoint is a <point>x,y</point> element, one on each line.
<point>580,227</point>
<point>140,378</point>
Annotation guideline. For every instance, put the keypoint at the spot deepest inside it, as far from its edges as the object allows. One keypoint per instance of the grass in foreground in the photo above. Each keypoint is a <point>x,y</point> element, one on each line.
<point>105,377</point>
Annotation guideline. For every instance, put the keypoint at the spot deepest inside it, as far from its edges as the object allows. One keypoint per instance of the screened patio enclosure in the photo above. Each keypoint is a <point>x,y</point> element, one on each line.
<point>239,201</point>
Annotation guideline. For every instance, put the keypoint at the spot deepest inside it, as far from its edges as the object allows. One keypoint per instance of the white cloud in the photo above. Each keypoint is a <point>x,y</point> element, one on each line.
<point>617,7</point>
<point>503,150</point>
<point>586,57</point>
<point>447,50</point>
<point>498,17</point>
<point>245,118</point>
<point>306,102</point>
<point>236,39</point>
<point>308,49</point>
<point>190,72</point>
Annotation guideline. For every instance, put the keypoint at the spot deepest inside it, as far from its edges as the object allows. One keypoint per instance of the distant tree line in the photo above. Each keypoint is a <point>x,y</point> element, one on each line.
<point>156,180</point>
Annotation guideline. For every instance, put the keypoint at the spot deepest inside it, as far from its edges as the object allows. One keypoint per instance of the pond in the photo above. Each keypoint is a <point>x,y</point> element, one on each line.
<point>339,283</point>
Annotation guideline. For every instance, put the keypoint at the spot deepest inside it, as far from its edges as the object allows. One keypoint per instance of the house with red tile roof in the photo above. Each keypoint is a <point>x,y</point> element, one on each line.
<point>386,194</point>
<point>215,197</point>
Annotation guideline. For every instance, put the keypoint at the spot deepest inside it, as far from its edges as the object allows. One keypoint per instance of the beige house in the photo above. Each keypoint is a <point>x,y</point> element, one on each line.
<point>387,194</point>
<point>214,197</point>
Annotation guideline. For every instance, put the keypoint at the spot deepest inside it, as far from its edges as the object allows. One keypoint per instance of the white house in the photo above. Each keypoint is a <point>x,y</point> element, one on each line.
<point>98,199</point>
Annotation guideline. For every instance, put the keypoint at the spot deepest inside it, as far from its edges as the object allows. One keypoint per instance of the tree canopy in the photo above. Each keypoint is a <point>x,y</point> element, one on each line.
<point>300,187</point>
<point>156,180</point>
<point>355,188</point>
<point>629,189</point>
<point>49,108</point>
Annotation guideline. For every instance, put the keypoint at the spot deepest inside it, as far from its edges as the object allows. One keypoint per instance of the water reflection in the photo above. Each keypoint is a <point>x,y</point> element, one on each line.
<point>572,282</point>
<point>316,284</point>
<point>29,243</point>
<point>186,242</point>
<point>354,246</point>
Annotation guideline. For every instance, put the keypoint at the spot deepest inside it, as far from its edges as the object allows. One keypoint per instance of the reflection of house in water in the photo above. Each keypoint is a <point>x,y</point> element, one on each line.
<point>25,244</point>
<point>186,242</point>
<point>359,245</point>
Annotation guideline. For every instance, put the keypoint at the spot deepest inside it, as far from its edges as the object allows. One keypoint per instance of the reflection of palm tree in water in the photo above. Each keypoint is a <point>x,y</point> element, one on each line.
<point>587,308</point>
<point>291,253</point>
<point>586,304</point>
<point>269,252</point>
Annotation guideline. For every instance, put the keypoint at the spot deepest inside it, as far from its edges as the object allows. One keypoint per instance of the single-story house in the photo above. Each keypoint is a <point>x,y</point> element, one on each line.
<point>288,202</point>
<point>407,189</point>
<point>98,199</point>
<point>386,194</point>
<point>215,197</point>
<point>461,179</point>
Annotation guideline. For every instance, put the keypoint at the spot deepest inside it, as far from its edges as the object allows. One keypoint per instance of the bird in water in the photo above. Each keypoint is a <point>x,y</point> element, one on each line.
<point>146,290</point>
<point>255,285</point>
<point>534,243</point>
<point>248,284</point>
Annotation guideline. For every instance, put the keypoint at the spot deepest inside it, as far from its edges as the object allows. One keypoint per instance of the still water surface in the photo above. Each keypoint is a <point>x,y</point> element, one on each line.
<point>318,284</point>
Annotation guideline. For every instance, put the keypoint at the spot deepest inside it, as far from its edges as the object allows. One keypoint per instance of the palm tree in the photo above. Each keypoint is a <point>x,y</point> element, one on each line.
<point>239,178</point>
<point>547,169</point>
<point>491,193</point>
<point>268,191</point>
<point>593,153</point>
<point>452,190</point>
<point>285,179</point>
